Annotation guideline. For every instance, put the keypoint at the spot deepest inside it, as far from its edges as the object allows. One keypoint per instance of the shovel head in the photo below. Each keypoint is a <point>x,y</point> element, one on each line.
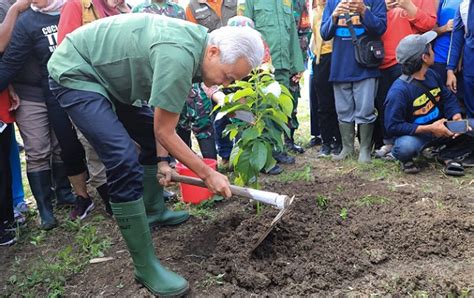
<point>275,221</point>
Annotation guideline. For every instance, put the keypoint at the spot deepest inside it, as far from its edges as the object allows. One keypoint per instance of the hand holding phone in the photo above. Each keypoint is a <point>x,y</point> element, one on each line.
<point>459,127</point>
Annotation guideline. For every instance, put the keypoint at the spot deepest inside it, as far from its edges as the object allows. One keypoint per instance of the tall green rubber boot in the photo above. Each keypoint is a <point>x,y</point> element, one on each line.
<point>366,131</point>
<point>347,136</point>
<point>156,211</point>
<point>132,221</point>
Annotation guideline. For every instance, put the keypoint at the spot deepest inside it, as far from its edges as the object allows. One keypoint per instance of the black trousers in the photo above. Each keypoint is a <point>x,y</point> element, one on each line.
<point>326,103</point>
<point>6,197</point>
<point>387,77</point>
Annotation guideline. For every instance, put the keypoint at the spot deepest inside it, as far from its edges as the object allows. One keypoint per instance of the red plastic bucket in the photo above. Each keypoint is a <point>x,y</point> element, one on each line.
<point>190,193</point>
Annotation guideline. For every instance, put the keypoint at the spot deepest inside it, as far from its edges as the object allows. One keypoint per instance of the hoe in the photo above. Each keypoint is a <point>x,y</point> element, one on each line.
<point>281,202</point>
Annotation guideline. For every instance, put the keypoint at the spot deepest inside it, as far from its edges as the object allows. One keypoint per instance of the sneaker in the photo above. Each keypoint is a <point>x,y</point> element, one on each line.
<point>336,149</point>
<point>12,226</point>
<point>22,207</point>
<point>383,151</point>
<point>276,170</point>
<point>284,158</point>
<point>7,238</point>
<point>19,217</point>
<point>291,146</point>
<point>168,195</point>
<point>315,141</point>
<point>82,208</point>
<point>325,150</point>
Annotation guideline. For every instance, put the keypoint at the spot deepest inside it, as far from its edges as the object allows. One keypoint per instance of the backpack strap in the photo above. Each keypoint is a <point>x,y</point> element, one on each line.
<point>89,13</point>
<point>350,25</point>
<point>427,92</point>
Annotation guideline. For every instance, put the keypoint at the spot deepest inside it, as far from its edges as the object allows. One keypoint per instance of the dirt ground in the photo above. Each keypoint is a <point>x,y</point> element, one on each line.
<point>378,232</point>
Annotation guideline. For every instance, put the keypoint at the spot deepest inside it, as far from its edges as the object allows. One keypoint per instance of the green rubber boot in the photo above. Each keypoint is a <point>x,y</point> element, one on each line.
<point>366,131</point>
<point>347,136</point>
<point>156,211</point>
<point>131,219</point>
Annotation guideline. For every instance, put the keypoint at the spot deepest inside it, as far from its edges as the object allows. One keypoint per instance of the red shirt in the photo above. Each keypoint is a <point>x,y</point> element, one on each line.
<point>5,115</point>
<point>400,25</point>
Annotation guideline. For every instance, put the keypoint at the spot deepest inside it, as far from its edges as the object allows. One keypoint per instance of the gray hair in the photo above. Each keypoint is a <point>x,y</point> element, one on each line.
<point>238,42</point>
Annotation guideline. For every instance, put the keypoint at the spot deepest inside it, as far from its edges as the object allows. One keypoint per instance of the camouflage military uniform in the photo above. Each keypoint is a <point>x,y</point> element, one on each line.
<point>168,8</point>
<point>196,113</point>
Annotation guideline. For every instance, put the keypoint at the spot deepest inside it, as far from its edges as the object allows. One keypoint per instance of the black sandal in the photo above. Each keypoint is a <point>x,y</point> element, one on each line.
<point>453,168</point>
<point>409,167</point>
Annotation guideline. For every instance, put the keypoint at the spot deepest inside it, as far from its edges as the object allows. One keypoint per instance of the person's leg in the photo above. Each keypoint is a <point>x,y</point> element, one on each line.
<point>73,157</point>
<point>224,144</point>
<point>201,123</point>
<point>327,111</point>
<point>293,123</point>
<point>17,181</point>
<point>406,148</point>
<point>314,105</point>
<point>364,95</point>
<point>345,107</point>
<point>94,116</point>
<point>138,121</point>
<point>33,123</point>
<point>282,76</point>
<point>6,196</point>
<point>387,77</point>
<point>97,175</point>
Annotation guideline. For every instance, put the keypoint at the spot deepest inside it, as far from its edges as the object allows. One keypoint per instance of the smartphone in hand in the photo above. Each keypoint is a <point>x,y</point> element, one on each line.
<point>460,126</point>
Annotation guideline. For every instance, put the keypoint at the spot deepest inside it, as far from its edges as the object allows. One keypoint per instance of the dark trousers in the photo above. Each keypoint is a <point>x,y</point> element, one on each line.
<point>441,70</point>
<point>207,145</point>
<point>313,105</point>
<point>223,143</point>
<point>112,135</point>
<point>469,95</point>
<point>72,152</point>
<point>387,77</point>
<point>6,196</point>
<point>325,101</point>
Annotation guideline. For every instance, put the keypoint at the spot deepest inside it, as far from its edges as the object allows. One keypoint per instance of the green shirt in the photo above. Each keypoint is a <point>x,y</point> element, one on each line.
<point>132,58</point>
<point>275,21</point>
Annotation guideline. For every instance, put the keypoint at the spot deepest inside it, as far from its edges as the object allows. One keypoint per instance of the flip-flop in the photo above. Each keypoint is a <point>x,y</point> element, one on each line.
<point>454,168</point>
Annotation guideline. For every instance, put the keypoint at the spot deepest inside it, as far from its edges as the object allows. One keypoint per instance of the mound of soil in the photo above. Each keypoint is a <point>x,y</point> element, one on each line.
<point>392,240</point>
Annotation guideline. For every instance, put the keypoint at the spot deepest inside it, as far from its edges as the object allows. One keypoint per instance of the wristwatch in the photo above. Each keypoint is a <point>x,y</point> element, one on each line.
<point>164,158</point>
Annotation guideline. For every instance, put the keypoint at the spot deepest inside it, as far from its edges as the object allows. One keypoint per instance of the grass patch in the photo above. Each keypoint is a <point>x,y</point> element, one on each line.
<point>212,280</point>
<point>322,202</point>
<point>297,175</point>
<point>344,213</point>
<point>380,169</point>
<point>204,210</point>
<point>370,200</point>
<point>49,272</point>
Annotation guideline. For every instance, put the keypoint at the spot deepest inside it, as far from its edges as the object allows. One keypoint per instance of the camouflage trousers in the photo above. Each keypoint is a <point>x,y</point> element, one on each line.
<point>196,114</point>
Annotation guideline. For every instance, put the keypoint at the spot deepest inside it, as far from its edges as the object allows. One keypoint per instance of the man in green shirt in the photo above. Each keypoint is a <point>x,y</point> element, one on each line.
<point>104,74</point>
<point>275,21</point>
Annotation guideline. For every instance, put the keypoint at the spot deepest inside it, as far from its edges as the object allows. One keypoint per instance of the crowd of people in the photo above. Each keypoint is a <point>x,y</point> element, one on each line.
<point>110,103</point>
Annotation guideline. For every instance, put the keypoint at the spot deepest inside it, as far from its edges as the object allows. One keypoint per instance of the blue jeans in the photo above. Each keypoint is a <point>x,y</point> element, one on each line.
<point>15,167</point>
<point>112,135</point>
<point>408,147</point>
